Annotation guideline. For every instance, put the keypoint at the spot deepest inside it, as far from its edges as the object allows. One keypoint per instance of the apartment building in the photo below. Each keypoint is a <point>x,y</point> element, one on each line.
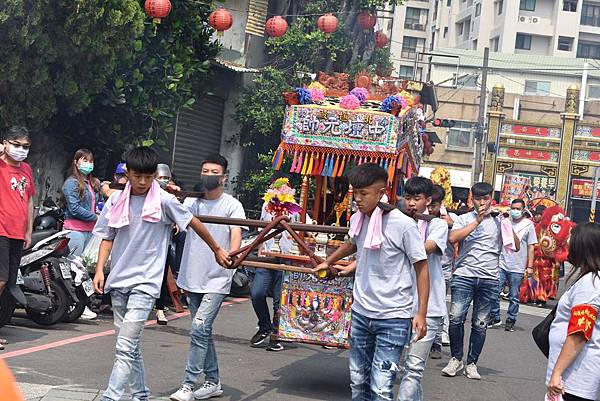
<point>557,28</point>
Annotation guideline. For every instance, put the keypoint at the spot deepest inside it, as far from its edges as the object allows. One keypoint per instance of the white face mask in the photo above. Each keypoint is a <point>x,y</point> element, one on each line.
<point>17,153</point>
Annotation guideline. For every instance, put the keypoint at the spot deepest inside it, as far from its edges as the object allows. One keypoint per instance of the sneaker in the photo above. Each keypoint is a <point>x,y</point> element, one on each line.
<point>504,294</point>
<point>445,340</point>
<point>185,393</point>
<point>510,325</point>
<point>88,314</point>
<point>471,372</point>
<point>259,338</point>
<point>275,347</point>
<point>436,353</point>
<point>494,323</point>
<point>208,390</point>
<point>161,319</point>
<point>454,366</point>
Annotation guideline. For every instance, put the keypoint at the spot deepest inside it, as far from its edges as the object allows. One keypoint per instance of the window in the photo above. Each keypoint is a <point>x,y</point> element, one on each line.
<point>565,43</point>
<point>570,5</point>
<point>406,71</point>
<point>477,9</point>
<point>467,81</point>
<point>494,44</point>
<point>588,50</point>
<point>409,46</point>
<point>523,42</point>
<point>459,28</point>
<point>500,6</point>
<point>594,91</point>
<point>475,44</point>
<point>445,31</point>
<point>448,3</point>
<point>527,5</point>
<point>590,15</point>
<point>461,136</point>
<point>467,27</point>
<point>413,19</point>
<point>537,87</point>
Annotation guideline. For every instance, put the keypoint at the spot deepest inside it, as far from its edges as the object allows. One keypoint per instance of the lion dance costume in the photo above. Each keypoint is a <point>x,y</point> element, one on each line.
<point>553,232</point>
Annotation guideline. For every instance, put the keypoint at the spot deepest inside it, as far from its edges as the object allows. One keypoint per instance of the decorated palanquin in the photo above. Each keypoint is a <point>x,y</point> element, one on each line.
<point>553,232</point>
<point>329,128</point>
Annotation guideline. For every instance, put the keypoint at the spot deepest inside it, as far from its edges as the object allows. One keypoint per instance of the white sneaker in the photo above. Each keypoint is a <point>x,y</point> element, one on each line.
<point>454,366</point>
<point>208,390</point>
<point>445,339</point>
<point>471,372</point>
<point>185,393</point>
<point>88,314</point>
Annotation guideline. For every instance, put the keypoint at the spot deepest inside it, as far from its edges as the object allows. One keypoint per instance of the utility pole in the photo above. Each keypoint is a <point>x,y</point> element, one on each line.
<point>594,195</point>
<point>480,128</point>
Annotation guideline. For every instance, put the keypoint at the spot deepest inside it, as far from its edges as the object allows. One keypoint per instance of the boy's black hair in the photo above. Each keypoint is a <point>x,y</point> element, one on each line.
<point>539,210</point>
<point>367,174</point>
<point>418,185</point>
<point>521,201</point>
<point>216,159</point>
<point>584,253</point>
<point>438,193</point>
<point>142,160</point>
<point>15,133</point>
<point>482,189</point>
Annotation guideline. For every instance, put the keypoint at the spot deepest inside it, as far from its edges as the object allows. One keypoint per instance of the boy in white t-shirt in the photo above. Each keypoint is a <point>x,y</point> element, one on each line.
<point>388,247</point>
<point>417,194</point>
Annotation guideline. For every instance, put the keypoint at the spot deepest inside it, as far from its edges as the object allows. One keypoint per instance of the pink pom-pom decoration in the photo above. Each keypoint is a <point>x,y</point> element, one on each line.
<point>317,95</point>
<point>361,94</point>
<point>349,102</point>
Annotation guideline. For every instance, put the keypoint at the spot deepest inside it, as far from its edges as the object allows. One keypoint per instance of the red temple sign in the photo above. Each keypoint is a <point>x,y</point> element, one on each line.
<point>596,132</point>
<point>529,130</point>
<point>528,154</point>
<point>582,189</point>
<point>594,156</point>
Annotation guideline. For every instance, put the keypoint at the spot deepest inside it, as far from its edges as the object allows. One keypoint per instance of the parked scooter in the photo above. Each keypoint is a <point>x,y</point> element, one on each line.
<point>40,287</point>
<point>81,285</point>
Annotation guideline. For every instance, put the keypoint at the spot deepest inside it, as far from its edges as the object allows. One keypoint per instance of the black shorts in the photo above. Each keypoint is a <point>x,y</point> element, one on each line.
<point>571,397</point>
<point>10,258</point>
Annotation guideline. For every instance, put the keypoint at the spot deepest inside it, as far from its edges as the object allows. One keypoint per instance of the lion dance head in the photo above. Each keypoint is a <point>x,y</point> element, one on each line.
<point>554,231</point>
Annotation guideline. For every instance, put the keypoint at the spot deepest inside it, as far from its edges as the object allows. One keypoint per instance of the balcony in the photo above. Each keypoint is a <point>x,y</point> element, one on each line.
<point>589,20</point>
<point>415,25</point>
<point>408,52</point>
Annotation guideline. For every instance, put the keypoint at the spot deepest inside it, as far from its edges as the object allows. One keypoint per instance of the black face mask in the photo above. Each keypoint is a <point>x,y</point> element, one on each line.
<point>211,182</point>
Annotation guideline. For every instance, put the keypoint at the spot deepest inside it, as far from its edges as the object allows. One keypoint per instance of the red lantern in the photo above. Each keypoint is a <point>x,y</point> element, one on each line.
<point>221,20</point>
<point>366,21</point>
<point>157,9</point>
<point>327,23</point>
<point>276,26</point>
<point>381,39</point>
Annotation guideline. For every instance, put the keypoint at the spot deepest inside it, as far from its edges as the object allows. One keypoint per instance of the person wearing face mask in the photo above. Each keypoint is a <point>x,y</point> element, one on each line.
<point>207,283</point>
<point>163,175</point>
<point>80,196</point>
<point>16,205</point>
<point>513,264</point>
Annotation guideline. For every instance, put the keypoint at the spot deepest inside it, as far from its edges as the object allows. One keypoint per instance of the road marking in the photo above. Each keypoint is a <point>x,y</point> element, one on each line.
<point>85,337</point>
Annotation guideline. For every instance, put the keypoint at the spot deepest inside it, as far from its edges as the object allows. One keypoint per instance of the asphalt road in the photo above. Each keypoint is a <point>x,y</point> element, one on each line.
<point>70,357</point>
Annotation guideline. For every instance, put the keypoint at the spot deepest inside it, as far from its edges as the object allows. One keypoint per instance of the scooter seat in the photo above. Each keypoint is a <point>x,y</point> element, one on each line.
<point>38,236</point>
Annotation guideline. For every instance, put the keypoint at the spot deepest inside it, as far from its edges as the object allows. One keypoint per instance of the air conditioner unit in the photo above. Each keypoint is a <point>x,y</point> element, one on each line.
<point>522,19</point>
<point>534,20</point>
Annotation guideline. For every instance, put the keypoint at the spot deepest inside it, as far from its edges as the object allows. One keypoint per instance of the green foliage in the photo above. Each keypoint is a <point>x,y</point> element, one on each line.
<point>303,49</point>
<point>99,70</point>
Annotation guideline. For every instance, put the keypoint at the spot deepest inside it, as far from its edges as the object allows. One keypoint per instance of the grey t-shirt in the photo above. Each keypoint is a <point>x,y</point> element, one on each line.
<point>139,252</point>
<point>383,286</point>
<point>199,271</point>
<point>479,253</point>
<point>516,262</point>
<point>437,231</point>
<point>448,257</point>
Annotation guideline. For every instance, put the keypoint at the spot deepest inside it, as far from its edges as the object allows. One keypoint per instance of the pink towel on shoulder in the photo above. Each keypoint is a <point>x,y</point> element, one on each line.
<point>508,240</point>
<point>374,237</point>
<point>118,215</point>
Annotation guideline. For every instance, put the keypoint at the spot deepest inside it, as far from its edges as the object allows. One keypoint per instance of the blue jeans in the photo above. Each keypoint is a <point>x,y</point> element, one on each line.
<point>514,286</point>
<point>202,356</point>
<point>265,280</point>
<point>482,292</point>
<point>376,347</point>
<point>78,240</point>
<point>131,309</point>
<point>414,361</point>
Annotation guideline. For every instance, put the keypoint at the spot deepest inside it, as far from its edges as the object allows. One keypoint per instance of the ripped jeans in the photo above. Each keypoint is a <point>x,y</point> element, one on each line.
<point>131,309</point>
<point>482,291</point>
<point>202,357</point>
<point>376,346</point>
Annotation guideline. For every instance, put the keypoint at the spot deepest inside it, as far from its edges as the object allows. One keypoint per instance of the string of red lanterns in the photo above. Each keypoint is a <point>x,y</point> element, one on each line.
<point>221,20</point>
